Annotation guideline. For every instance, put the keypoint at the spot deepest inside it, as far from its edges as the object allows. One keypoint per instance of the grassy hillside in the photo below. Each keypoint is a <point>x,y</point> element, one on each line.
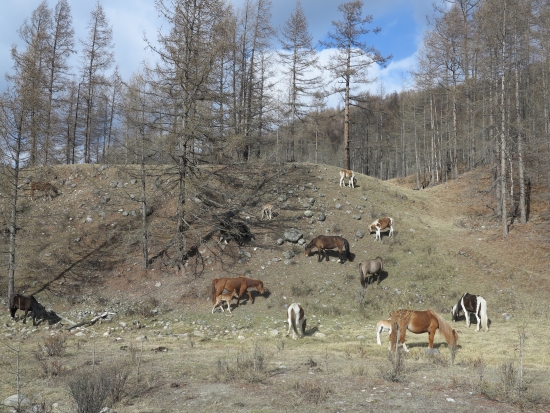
<point>80,255</point>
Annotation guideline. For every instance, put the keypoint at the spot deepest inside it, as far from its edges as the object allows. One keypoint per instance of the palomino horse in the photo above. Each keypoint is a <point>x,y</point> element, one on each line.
<point>381,224</point>
<point>372,267</point>
<point>267,211</point>
<point>470,303</point>
<point>24,303</point>
<point>224,297</point>
<point>381,326</point>
<point>346,173</point>
<point>418,322</point>
<point>241,284</point>
<point>329,242</point>
<point>295,315</point>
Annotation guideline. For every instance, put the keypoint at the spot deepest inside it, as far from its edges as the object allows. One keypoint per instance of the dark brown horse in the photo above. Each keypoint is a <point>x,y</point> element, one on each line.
<point>25,303</point>
<point>372,267</point>
<point>240,284</point>
<point>470,303</point>
<point>329,242</point>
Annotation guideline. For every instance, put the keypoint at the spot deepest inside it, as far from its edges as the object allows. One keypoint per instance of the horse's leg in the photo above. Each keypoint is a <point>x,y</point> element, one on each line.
<point>250,296</point>
<point>467,315</point>
<point>478,322</point>
<point>431,336</point>
<point>402,332</point>
<point>25,317</point>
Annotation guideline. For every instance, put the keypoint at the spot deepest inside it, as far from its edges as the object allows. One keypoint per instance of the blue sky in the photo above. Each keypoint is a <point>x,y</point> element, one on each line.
<point>402,23</point>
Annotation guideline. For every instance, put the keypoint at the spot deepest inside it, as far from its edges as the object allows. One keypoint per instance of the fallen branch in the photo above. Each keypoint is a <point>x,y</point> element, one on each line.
<point>90,322</point>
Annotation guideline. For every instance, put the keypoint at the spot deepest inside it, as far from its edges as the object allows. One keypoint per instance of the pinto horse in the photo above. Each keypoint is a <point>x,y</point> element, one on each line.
<point>329,242</point>
<point>296,317</point>
<point>372,267</point>
<point>240,284</point>
<point>346,173</point>
<point>381,224</point>
<point>25,303</point>
<point>470,303</point>
<point>419,322</point>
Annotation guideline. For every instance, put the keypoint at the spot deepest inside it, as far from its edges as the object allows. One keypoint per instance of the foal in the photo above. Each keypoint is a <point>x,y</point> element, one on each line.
<point>296,318</point>
<point>381,326</point>
<point>267,211</point>
<point>227,298</point>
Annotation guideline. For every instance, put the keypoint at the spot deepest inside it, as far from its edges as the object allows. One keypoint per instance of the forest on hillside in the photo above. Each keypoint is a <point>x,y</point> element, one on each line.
<point>479,96</point>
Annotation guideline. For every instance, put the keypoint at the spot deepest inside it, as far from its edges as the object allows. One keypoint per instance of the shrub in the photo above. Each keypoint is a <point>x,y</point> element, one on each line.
<point>90,390</point>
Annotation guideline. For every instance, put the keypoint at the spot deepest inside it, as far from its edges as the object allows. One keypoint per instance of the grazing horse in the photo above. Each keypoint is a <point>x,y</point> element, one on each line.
<point>329,242</point>
<point>420,322</point>
<point>45,187</point>
<point>224,297</point>
<point>372,267</point>
<point>25,303</point>
<point>241,284</point>
<point>296,318</point>
<point>381,326</point>
<point>346,173</point>
<point>267,211</point>
<point>470,303</point>
<point>381,224</point>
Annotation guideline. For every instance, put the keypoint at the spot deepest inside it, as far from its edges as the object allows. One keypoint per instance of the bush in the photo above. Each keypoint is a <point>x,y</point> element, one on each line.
<point>90,390</point>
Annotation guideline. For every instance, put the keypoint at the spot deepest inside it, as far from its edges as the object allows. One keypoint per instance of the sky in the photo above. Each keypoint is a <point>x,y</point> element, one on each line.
<point>402,23</point>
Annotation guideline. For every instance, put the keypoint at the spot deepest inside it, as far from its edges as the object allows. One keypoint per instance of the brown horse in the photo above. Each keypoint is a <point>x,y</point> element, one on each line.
<point>372,267</point>
<point>420,322</point>
<point>25,303</point>
<point>329,242</point>
<point>240,284</point>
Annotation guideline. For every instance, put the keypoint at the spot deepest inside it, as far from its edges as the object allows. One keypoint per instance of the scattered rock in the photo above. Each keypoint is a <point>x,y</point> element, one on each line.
<point>293,235</point>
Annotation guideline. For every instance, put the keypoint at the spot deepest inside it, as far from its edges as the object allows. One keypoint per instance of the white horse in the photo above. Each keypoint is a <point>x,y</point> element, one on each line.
<point>381,326</point>
<point>296,318</point>
<point>346,173</point>
<point>381,224</point>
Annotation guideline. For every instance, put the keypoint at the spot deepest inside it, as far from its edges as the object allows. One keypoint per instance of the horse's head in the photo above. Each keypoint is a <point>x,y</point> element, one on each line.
<point>308,248</point>
<point>260,287</point>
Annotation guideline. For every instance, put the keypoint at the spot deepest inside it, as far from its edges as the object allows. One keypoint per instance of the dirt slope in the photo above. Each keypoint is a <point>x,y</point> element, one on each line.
<point>82,257</point>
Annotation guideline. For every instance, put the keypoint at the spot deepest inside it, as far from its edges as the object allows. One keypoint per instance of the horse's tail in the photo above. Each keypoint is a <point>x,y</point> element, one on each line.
<point>346,246</point>
<point>483,312</point>
<point>361,275</point>
<point>293,316</point>
<point>214,282</point>
<point>445,328</point>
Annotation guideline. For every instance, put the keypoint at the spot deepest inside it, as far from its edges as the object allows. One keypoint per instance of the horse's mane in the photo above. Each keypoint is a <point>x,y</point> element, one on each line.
<point>446,330</point>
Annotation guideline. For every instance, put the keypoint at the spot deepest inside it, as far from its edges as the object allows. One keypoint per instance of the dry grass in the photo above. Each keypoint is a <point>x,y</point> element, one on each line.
<point>178,353</point>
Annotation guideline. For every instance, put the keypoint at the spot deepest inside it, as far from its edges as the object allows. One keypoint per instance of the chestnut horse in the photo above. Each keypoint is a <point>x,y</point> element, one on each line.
<point>470,303</point>
<point>419,322</point>
<point>240,284</point>
<point>329,242</point>
<point>296,317</point>
<point>372,267</point>
<point>381,224</point>
<point>25,303</point>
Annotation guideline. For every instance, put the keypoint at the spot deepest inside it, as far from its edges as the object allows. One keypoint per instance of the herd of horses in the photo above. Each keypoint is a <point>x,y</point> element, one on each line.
<point>225,289</point>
